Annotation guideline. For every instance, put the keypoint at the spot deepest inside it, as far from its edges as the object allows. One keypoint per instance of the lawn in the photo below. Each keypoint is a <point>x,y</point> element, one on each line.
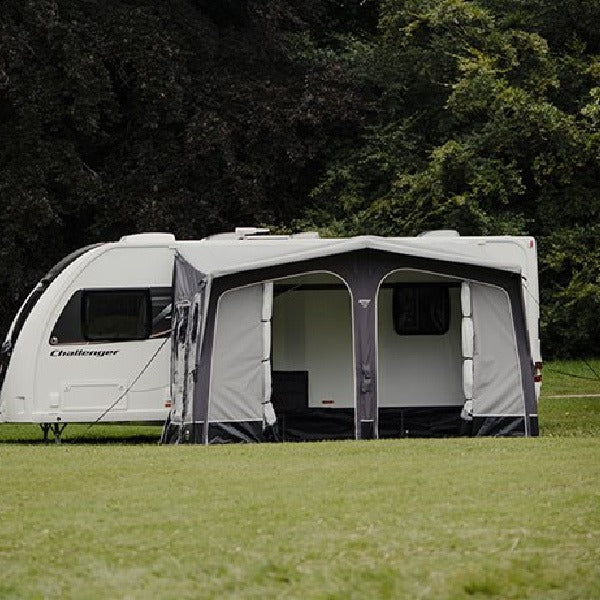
<point>572,377</point>
<point>444,519</point>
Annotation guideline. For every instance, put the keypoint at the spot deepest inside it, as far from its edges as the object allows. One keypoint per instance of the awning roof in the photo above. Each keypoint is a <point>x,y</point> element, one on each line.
<point>222,257</point>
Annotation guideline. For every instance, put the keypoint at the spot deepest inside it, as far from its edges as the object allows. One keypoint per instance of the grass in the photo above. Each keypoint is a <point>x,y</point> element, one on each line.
<point>572,377</point>
<point>445,519</point>
<point>83,434</point>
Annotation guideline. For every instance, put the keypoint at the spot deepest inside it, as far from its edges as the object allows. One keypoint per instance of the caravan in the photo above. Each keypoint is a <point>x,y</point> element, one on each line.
<point>249,336</point>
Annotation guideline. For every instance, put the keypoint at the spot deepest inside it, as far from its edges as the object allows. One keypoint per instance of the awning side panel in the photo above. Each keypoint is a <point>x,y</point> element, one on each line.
<point>497,385</point>
<point>188,289</point>
<point>237,382</point>
<point>187,280</point>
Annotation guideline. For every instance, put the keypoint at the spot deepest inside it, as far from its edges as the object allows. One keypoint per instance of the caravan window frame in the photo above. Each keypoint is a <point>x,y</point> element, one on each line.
<point>68,326</point>
<point>144,293</point>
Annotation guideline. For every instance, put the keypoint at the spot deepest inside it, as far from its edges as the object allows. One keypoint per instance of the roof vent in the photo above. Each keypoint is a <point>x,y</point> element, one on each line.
<point>227,235</point>
<point>148,238</point>
<point>242,232</point>
<point>440,233</point>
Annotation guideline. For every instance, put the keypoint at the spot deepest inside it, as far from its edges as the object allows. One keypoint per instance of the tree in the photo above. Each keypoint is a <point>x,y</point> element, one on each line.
<point>480,127</point>
<point>185,116</point>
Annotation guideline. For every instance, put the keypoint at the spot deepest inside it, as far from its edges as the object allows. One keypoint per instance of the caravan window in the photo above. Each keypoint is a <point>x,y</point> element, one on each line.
<point>421,309</point>
<point>114,315</point>
<point>74,319</point>
<point>161,299</point>
<point>67,329</point>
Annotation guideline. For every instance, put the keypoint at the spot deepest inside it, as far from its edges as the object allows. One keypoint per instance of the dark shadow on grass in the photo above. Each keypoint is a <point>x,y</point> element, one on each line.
<point>81,434</point>
<point>86,441</point>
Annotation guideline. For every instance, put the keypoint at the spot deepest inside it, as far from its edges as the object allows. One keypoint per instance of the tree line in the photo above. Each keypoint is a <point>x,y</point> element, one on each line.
<point>387,117</point>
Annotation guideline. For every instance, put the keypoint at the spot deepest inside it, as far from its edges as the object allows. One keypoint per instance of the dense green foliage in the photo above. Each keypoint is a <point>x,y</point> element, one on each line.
<point>384,117</point>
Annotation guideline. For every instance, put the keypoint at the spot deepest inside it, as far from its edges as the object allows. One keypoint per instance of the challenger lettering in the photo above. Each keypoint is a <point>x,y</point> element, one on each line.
<point>81,352</point>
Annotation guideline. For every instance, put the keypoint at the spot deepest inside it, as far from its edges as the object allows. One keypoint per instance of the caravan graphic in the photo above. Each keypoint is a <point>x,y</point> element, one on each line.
<point>249,336</point>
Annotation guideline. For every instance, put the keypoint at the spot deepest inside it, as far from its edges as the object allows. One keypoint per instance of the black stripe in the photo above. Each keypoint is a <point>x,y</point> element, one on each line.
<point>498,426</point>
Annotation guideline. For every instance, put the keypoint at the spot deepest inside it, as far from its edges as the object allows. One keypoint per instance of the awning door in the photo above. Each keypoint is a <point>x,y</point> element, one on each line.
<point>240,383</point>
<point>497,383</point>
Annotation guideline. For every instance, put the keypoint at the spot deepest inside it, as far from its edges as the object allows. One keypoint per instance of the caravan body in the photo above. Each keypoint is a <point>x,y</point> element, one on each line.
<point>360,337</point>
<point>56,370</point>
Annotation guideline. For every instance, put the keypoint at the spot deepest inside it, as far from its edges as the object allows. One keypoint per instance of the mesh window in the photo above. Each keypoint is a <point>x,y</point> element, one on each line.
<point>116,315</point>
<point>421,309</point>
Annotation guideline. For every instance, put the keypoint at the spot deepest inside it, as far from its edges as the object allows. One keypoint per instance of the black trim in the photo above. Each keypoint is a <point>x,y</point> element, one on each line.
<point>218,433</point>
<point>534,427</point>
<point>426,421</point>
<point>498,426</point>
<point>315,424</point>
<point>310,425</point>
<point>320,424</point>
<point>239,431</point>
<point>367,430</point>
<point>42,286</point>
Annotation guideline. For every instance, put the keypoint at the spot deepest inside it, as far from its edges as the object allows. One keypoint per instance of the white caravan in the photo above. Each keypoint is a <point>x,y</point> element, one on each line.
<point>93,340</point>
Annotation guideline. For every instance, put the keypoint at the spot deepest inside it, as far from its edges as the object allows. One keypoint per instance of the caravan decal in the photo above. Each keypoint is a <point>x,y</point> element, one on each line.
<point>80,352</point>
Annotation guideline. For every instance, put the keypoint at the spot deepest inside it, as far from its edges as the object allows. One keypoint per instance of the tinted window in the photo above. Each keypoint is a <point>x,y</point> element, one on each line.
<point>67,329</point>
<point>421,309</point>
<point>116,315</point>
<point>69,326</point>
<point>161,311</point>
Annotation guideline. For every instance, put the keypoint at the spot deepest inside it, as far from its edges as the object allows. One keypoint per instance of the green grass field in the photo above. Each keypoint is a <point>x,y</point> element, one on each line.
<point>443,519</point>
<point>572,377</point>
